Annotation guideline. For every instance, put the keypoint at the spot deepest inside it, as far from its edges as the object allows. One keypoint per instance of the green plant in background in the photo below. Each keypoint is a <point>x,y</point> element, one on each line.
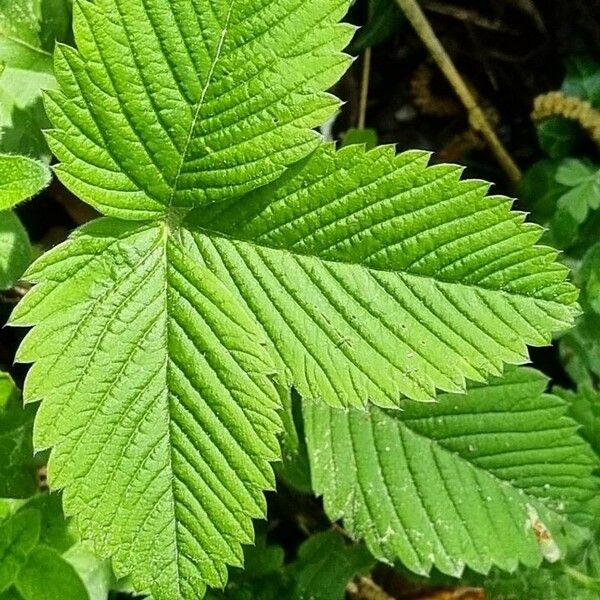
<point>563,193</point>
<point>251,294</point>
<point>20,179</point>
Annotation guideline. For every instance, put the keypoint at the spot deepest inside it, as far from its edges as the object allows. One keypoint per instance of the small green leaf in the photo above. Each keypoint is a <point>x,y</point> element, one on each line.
<point>18,536</point>
<point>95,574</point>
<point>17,467</point>
<point>478,480</point>
<point>583,79</point>
<point>48,576</point>
<point>572,172</point>
<point>383,20</point>
<point>56,530</point>
<point>367,137</point>
<point>326,564</point>
<point>584,407</point>
<point>15,249</point>
<point>20,179</point>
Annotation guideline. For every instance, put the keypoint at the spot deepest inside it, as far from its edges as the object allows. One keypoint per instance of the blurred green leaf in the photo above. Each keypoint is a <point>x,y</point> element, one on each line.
<point>48,576</point>
<point>368,137</point>
<point>18,536</point>
<point>15,249</point>
<point>95,574</point>
<point>28,30</point>
<point>21,178</point>
<point>17,466</point>
<point>539,191</point>
<point>384,18</point>
<point>572,172</point>
<point>56,531</point>
<point>558,137</point>
<point>326,564</point>
<point>580,350</point>
<point>583,79</point>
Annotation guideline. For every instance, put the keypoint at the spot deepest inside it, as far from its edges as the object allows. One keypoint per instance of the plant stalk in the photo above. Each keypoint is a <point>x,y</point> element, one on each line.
<point>477,117</point>
<point>364,88</point>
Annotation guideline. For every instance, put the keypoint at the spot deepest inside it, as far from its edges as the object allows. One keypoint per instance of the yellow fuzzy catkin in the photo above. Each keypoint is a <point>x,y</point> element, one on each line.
<point>557,104</point>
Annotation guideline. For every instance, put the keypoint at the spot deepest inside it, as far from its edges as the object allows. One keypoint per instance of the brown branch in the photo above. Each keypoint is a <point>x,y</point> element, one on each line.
<point>477,117</point>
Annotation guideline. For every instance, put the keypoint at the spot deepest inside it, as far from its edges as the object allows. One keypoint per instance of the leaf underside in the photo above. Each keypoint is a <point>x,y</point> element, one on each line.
<point>480,480</point>
<point>164,333</point>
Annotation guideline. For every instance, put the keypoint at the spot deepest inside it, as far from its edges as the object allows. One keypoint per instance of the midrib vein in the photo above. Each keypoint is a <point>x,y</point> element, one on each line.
<point>24,44</point>
<point>211,71</point>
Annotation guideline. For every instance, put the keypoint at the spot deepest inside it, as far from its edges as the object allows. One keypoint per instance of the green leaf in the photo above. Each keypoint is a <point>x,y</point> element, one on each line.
<point>95,574</point>
<point>377,278</point>
<point>47,576</point>
<point>584,179</point>
<point>578,579</point>
<point>583,79</point>
<point>558,137</point>
<point>20,179</point>
<point>17,467</point>
<point>478,480</point>
<point>571,172</point>
<point>368,137</point>
<point>539,190</point>
<point>326,564</point>
<point>264,577</point>
<point>15,249</point>
<point>384,19</point>
<point>170,480</point>
<point>56,530</point>
<point>584,407</point>
<point>230,113</point>
<point>580,350</point>
<point>28,30</point>
<point>18,537</point>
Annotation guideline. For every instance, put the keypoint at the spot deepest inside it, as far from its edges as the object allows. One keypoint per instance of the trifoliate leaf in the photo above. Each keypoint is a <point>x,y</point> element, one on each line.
<point>15,249</point>
<point>46,575</point>
<point>18,537</point>
<point>179,103</point>
<point>476,480</point>
<point>156,343</point>
<point>376,277</point>
<point>163,436</point>
<point>20,179</point>
<point>28,30</point>
<point>326,564</point>
<point>584,181</point>
<point>17,467</point>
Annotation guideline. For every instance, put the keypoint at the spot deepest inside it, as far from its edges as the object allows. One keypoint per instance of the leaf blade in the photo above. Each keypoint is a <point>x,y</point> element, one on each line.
<point>179,457</point>
<point>501,480</point>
